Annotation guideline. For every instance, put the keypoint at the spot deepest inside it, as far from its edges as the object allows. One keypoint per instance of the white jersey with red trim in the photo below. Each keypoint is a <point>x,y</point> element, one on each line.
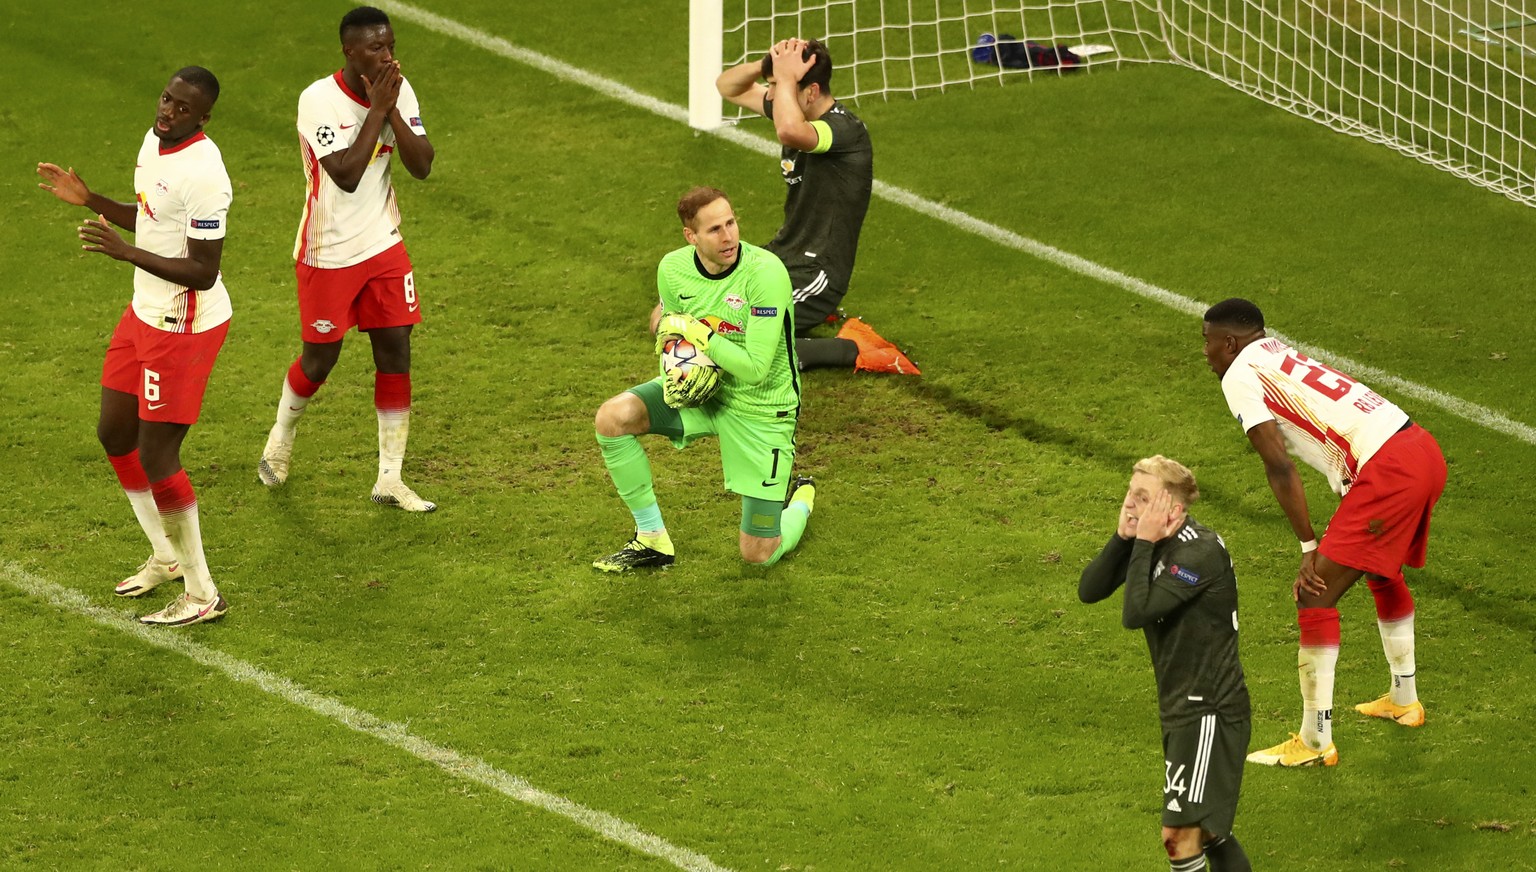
<point>340,229</point>
<point>1327,419</point>
<point>182,193</point>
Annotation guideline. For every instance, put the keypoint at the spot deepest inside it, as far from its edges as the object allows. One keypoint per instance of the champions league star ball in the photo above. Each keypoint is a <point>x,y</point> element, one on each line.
<point>678,355</point>
<point>691,377</point>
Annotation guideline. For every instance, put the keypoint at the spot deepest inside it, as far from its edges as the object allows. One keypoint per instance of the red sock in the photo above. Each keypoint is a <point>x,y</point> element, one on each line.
<point>300,383</point>
<point>392,391</point>
<point>1319,627</point>
<point>1393,599</point>
<point>130,473</point>
<point>173,495</point>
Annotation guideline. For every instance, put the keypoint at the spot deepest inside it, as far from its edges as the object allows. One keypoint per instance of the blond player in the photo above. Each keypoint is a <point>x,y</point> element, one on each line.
<point>352,266</point>
<point>1388,472</point>
<point>162,352</point>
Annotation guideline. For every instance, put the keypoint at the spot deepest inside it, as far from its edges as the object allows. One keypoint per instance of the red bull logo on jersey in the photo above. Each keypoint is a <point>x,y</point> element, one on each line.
<point>720,325</point>
<point>144,207</point>
<point>734,301</point>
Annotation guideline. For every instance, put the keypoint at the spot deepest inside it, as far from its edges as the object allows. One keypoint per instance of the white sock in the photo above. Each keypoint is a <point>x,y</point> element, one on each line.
<point>394,431</point>
<point>144,509</point>
<point>186,536</point>
<point>1315,667</point>
<point>289,409</point>
<point>1397,644</point>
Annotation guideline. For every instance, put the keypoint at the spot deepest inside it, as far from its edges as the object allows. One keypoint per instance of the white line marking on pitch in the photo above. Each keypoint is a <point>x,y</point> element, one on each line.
<point>451,761</point>
<point>1471,411</point>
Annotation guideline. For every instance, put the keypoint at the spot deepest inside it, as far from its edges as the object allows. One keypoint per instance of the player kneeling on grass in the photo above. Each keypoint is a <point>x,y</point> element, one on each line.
<point>731,301</point>
<point>1181,591</point>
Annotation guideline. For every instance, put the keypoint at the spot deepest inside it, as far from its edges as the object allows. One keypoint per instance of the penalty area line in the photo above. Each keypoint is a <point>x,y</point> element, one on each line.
<point>458,765</point>
<point>1470,411</point>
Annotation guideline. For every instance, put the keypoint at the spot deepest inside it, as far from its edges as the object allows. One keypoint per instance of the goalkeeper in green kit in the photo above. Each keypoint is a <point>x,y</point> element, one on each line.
<point>731,301</point>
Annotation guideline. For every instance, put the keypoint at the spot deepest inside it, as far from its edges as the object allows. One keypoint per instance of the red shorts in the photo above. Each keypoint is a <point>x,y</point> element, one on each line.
<point>1382,524</point>
<point>168,372</point>
<point>379,292</point>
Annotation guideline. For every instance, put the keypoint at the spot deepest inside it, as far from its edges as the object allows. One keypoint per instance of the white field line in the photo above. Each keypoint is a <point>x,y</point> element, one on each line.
<point>1466,409</point>
<point>451,761</point>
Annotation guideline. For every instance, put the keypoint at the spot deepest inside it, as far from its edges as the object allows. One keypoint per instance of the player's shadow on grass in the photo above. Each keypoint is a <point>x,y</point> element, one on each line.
<point>719,620</point>
<point>997,418</point>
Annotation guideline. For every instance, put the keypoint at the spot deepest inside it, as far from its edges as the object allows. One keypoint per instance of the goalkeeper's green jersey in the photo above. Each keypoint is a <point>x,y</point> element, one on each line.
<point>752,313</point>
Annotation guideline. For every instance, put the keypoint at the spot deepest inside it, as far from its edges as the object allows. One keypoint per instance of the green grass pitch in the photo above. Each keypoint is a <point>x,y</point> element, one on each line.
<point>917,687</point>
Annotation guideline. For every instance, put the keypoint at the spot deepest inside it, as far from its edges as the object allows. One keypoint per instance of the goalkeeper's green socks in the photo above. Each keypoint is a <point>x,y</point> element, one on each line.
<point>792,523</point>
<point>631,472</point>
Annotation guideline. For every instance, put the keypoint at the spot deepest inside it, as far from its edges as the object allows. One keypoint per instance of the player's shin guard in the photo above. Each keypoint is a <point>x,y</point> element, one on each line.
<point>392,400</point>
<point>130,474</point>
<point>297,391</point>
<point>630,470</point>
<point>1315,663</point>
<point>1394,618</point>
<point>178,513</point>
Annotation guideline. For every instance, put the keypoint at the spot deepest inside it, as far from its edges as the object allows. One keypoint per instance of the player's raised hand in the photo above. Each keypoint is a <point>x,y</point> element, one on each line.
<point>383,92</point>
<point>64,184</point>
<point>99,236</point>
<point>1158,521</point>
<point>789,60</point>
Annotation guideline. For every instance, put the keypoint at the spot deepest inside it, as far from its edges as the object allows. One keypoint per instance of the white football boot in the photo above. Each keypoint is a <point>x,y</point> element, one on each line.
<point>396,493</point>
<point>150,576</point>
<point>185,611</point>
<point>273,468</point>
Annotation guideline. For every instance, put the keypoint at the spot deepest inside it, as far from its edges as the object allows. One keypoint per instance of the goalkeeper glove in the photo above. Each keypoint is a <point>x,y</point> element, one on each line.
<point>693,386</point>
<point>690,328</point>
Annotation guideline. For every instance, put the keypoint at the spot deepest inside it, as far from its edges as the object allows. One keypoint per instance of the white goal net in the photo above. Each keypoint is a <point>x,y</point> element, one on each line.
<point>1444,81</point>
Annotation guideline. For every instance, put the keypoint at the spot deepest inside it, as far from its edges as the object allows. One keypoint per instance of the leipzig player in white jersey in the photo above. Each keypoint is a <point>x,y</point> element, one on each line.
<point>1389,473</point>
<point>162,352</point>
<point>351,264</point>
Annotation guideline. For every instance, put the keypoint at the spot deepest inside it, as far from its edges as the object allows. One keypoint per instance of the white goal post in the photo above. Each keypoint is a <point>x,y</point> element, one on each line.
<point>1443,81</point>
<point>706,41</point>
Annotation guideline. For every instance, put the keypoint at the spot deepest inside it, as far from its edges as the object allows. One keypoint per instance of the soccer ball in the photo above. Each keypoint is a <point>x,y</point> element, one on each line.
<point>678,354</point>
<point>691,378</point>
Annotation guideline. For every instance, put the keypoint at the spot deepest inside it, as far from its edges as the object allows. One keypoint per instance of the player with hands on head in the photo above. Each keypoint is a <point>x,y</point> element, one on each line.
<point>350,262</point>
<point>827,162</point>
<point>163,350</point>
<point>1181,592</point>
<point>1388,472</point>
<point>732,301</point>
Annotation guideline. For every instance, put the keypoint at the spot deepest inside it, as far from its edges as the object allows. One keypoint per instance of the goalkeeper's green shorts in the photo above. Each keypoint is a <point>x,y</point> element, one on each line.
<point>755,454</point>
